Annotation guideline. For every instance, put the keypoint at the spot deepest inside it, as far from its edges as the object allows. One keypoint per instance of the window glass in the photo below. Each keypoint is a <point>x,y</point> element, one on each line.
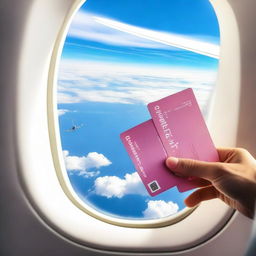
<point>117,57</point>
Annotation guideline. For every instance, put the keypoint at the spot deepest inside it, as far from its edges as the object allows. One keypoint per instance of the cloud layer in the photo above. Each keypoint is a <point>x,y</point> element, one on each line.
<point>82,165</point>
<point>81,81</point>
<point>90,27</point>
<point>84,26</point>
<point>171,39</point>
<point>113,186</point>
<point>62,112</point>
<point>160,209</point>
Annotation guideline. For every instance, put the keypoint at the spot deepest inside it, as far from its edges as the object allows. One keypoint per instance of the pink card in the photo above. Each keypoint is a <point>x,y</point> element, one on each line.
<point>183,132</point>
<point>177,129</point>
<point>148,155</point>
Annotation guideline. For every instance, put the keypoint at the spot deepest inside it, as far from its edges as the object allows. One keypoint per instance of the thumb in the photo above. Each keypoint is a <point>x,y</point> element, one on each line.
<point>190,167</point>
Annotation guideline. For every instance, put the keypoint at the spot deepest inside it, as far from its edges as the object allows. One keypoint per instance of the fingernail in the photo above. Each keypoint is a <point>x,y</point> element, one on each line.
<point>172,162</point>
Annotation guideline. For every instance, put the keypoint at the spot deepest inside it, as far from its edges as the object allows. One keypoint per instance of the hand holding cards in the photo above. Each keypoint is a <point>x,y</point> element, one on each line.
<point>177,129</point>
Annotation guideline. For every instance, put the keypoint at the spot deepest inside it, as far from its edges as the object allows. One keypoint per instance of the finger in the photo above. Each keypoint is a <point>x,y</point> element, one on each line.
<point>234,155</point>
<point>226,154</point>
<point>198,182</point>
<point>190,167</point>
<point>200,195</point>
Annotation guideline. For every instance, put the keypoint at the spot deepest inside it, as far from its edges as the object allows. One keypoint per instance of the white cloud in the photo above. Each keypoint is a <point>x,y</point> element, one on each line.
<point>160,209</point>
<point>84,26</point>
<point>171,39</point>
<point>81,81</point>
<point>113,186</point>
<point>89,26</point>
<point>82,164</point>
<point>63,97</point>
<point>62,112</point>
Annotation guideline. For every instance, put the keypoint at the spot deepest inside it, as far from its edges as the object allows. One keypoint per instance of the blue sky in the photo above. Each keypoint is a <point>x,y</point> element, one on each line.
<point>106,78</point>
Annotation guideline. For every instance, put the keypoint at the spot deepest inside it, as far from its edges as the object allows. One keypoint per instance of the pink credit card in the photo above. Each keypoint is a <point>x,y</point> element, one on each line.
<point>181,127</point>
<point>148,155</point>
<point>177,129</point>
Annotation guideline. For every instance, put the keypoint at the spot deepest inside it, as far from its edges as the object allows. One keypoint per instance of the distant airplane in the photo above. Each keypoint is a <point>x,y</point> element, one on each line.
<point>74,127</point>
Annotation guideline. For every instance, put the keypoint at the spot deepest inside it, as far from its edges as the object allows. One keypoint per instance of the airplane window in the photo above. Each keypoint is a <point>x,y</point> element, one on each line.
<point>118,56</point>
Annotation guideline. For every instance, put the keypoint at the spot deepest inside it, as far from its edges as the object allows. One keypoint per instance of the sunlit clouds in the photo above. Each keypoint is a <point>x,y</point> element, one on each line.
<point>82,165</point>
<point>113,186</point>
<point>91,27</point>
<point>159,209</point>
<point>84,26</point>
<point>82,81</point>
<point>171,39</point>
<point>62,112</point>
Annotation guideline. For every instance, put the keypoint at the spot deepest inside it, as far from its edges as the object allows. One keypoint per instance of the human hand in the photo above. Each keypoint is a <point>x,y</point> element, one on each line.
<point>233,179</point>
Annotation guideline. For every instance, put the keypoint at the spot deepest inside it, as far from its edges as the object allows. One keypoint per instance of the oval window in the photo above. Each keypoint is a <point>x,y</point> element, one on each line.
<point>118,56</point>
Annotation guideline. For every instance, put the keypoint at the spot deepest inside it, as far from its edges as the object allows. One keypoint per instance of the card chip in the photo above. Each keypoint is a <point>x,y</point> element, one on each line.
<point>154,186</point>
